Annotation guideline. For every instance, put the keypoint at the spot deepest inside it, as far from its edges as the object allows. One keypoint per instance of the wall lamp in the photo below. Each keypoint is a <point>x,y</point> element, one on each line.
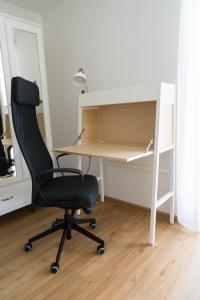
<point>79,79</point>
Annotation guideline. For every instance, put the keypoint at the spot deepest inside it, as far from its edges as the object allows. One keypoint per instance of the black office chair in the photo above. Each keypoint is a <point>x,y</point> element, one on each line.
<point>67,192</point>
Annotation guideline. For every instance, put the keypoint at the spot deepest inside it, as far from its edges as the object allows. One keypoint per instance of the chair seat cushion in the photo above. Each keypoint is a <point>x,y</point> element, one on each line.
<point>71,192</point>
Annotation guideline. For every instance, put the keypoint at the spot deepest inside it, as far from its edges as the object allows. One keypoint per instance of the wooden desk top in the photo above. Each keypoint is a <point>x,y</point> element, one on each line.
<point>122,152</point>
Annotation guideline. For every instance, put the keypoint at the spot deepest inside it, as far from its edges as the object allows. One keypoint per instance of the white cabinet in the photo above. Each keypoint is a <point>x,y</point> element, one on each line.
<point>21,54</point>
<point>15,196</point>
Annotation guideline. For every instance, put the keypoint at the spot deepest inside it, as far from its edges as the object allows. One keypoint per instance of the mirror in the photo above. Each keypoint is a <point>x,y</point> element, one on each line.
<point>27,65</point>
<point>7,159</point>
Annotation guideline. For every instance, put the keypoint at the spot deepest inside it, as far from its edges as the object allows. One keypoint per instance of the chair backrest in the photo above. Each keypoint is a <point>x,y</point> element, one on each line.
<point>24,99</point>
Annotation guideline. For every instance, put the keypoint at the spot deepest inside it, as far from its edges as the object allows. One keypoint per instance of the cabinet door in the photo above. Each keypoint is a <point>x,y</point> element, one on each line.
<point>25,43</point>
<point>10,158</point>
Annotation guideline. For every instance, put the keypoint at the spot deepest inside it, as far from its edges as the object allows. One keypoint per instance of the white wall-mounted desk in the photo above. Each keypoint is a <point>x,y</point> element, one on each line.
<point>119,125</point>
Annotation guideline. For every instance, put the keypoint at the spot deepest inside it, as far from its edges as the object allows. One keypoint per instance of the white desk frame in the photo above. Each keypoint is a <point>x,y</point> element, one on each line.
<point>164,94</point>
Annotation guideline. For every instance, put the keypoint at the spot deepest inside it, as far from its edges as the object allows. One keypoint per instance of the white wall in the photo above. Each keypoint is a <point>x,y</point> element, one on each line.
<point>118,43</point>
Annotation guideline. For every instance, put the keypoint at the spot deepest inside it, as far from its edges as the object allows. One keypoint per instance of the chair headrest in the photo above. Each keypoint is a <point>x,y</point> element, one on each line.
<point>25,92</point>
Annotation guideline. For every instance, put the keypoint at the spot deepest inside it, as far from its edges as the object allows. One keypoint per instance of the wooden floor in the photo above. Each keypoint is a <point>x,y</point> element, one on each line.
<point>130,269</point>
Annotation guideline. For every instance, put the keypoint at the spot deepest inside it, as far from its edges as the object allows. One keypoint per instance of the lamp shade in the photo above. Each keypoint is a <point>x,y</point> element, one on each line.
<point>79,78</point>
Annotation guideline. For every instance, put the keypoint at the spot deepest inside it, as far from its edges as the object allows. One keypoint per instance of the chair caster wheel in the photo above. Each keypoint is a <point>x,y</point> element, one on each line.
<point>28,247</point>
<point>54,268</point>
<point>93,225</point>
<point>100,249</point>
<point>54,223</point>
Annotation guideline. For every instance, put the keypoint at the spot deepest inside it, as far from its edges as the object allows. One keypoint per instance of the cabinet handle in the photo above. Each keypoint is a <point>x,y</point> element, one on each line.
<point>6,199</point>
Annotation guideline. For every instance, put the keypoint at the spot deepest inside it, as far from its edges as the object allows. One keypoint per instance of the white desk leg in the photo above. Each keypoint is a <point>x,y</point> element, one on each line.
<point>152,235</point>
<point>172,186</point>
<point>78,212</point>
<point>101,178</point>
<point>171,218</point>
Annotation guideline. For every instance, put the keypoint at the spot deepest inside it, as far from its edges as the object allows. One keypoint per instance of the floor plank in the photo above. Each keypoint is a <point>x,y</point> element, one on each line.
<point>130,268</point>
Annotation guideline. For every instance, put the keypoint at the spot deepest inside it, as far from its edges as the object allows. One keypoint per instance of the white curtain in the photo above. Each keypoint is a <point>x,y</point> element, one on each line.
<point>188,117</point>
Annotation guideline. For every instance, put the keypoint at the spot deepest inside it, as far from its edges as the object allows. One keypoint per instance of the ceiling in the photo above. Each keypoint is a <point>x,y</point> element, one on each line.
<point>38,6</point>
